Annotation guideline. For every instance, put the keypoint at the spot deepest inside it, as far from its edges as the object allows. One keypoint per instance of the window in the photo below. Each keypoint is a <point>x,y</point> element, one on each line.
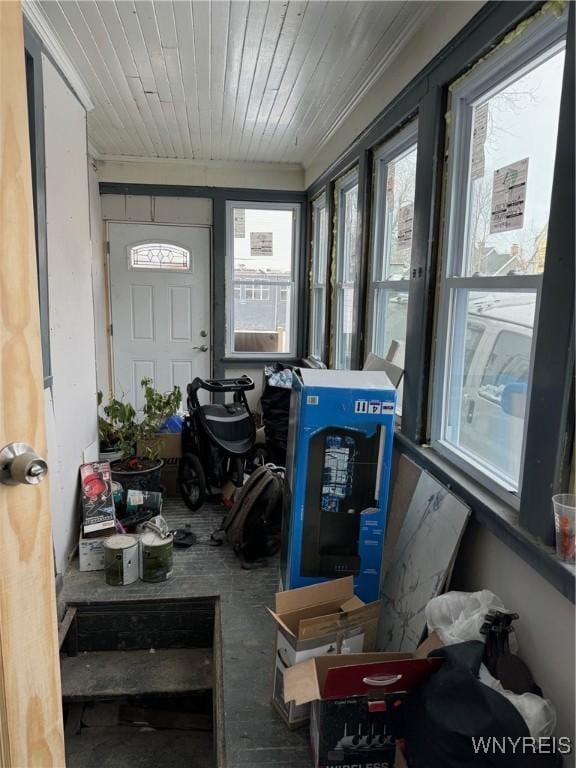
<point>502,146</point>
<point>262,239</point>
<point>346,268</point>
<point>394,189</point>
<point>254,292</point>
<point>160,256</point>
<point>318,277</point>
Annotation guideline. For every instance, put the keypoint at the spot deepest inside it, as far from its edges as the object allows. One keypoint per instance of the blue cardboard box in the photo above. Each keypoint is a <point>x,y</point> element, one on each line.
<point>337,478</point>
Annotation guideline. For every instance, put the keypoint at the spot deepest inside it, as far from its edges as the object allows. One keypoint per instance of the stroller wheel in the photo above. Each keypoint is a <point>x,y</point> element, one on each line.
<point>192,481</point>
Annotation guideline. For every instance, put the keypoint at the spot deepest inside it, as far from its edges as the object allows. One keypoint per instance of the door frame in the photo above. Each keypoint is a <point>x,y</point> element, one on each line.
<point>108,273</point>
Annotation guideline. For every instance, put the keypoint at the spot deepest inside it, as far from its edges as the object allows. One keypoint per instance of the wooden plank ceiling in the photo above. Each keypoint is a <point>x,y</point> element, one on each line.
<point>221,80</point>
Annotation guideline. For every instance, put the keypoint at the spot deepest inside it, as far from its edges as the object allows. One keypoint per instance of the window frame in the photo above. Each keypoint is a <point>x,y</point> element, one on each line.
<point>389,151</point>
<point>231,282</point>
<point>318,282</point>
<point>342,186</point>
<point>35,104</point>
<point>540,41</point>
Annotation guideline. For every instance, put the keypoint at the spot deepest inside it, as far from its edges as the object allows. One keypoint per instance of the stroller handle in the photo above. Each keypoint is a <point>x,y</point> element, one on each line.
<point>242,384</point>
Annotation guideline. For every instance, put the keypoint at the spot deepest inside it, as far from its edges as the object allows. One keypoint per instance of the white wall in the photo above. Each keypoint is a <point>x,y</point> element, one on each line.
<point>546,629</point>
<point>442,23</point>
<point>99,282</point>
<point>285,176</point>
<point>158,210</point>
<point>71,402</point>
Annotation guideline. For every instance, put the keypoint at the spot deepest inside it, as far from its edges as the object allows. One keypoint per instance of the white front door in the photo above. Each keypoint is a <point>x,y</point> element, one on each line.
<point>160,296</point>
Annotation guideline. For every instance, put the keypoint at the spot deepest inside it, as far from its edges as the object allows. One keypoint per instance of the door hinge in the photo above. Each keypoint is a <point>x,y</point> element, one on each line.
<point>111,327</point>
<point>108,247</point>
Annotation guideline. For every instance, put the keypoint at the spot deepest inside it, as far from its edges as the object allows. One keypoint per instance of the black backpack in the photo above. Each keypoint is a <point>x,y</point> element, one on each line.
<point>253,525</point>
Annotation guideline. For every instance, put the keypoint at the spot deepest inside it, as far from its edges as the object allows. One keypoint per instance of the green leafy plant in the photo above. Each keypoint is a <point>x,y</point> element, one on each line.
<point>136,439</point>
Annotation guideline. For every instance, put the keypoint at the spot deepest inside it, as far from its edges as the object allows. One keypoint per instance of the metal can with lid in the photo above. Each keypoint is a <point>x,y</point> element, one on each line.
<point>121,560</point>
<point>156,557</point>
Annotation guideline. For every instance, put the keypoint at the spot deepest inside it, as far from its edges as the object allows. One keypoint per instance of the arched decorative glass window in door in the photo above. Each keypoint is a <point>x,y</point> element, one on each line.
<point>159,256</point>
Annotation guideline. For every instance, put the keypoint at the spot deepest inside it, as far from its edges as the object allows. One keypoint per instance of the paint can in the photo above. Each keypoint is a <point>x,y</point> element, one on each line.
<point>121,560</point>
<point>156,557</point>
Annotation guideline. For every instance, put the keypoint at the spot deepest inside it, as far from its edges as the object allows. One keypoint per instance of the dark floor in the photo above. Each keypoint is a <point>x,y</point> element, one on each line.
<point>143,734</point>
<point>254,735</point>
<point>123,747</point>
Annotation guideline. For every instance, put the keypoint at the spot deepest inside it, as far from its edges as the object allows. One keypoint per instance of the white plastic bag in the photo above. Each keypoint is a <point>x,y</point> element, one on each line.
<point>458,616</point>
<point>538,713</point>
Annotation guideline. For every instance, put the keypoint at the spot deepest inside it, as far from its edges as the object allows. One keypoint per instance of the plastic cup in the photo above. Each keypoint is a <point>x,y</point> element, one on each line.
<point>565,522</point>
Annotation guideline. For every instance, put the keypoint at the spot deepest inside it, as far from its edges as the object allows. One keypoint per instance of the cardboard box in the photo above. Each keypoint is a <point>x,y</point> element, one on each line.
<point>98,514</point>
<point>339,456</point>
<point>169,445</point>
<point>169,478</point>
<point>355,702</point>
<point>318,620</point>
<point>91,553</point>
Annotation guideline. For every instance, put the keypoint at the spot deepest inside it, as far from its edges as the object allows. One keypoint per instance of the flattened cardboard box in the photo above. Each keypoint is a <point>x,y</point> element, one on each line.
<point>98,513</point>
<point>354,702</point>
<point>318,620</point>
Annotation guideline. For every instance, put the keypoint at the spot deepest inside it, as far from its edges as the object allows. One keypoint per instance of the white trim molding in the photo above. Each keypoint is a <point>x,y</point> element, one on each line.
<point>35,14</point>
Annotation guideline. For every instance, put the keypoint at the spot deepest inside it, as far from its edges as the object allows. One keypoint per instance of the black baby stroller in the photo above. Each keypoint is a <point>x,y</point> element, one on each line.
<point>215,440</point>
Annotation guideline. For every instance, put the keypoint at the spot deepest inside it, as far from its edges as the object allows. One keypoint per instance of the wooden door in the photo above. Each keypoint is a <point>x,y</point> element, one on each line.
<point>30,700</point>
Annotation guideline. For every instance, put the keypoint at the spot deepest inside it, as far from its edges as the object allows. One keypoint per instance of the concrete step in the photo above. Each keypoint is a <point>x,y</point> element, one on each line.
<point>108,674</point>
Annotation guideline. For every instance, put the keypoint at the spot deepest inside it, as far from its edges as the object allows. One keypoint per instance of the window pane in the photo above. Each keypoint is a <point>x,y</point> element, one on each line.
<point>344,326</point>
<point>319,268</point>
<point>390,320</point>
<point>262,318</point>
<point>346,265</point>
<point>317,319</point>
<point>159,256</point>
<point>512,152</point>
<point>488,378</point>
<point>263,243</point>
<point>347,225</point>
<point>261,262</point>
<point>320,245</point>
<point>394,228</point>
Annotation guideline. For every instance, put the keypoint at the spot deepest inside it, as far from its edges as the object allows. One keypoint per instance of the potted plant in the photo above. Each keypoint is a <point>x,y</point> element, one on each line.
<point>139,465</point>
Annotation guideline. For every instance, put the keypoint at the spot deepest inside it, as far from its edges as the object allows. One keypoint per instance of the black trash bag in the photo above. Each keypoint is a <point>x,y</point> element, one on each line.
<point>275,404</point>
<point>452,708</point>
